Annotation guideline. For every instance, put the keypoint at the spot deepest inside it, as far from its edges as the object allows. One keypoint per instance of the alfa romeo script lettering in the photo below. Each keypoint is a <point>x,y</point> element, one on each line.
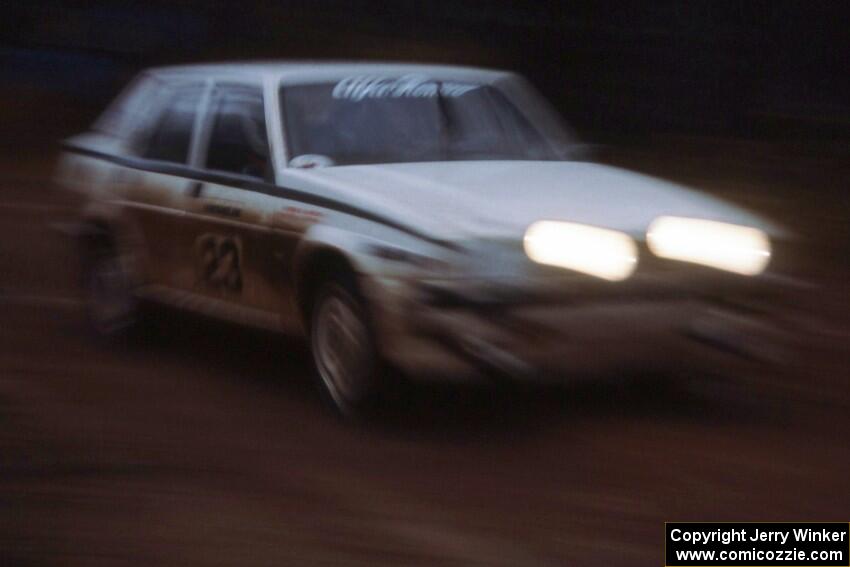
<point>408,86</point>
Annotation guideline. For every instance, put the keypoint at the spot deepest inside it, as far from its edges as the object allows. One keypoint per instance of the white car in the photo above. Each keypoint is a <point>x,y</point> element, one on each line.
<point>427,219</point>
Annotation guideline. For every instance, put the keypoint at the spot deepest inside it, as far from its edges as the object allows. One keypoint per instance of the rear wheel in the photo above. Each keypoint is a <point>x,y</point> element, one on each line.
<point>344,349</point>
<point>112,309</point>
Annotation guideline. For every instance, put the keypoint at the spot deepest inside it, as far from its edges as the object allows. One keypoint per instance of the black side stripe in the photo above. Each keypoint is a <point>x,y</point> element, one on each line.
<point>251,184</point>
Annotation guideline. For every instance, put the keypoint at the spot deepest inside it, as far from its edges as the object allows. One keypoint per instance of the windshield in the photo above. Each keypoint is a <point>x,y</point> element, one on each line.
<point>366,120</point>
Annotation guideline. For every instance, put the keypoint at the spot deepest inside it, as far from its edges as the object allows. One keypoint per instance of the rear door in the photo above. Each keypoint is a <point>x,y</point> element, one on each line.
<point>155,183</point>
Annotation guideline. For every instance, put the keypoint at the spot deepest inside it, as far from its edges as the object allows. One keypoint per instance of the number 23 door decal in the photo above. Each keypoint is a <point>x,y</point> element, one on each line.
<point>220,262</point>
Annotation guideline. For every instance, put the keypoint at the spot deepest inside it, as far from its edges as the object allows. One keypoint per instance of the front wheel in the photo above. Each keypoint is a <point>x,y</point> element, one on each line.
<point>344,349</point>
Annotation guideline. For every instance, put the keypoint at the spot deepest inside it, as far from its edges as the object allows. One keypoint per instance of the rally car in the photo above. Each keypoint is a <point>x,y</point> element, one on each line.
<point>432,220</point>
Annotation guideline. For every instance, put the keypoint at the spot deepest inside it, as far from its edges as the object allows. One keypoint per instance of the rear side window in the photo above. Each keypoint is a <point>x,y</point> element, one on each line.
<point>238,141</point>
<point>172,135</point>
<point>129,111</point>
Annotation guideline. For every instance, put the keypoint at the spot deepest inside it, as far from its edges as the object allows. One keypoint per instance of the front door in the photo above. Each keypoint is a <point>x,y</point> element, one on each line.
<point>232,239</point>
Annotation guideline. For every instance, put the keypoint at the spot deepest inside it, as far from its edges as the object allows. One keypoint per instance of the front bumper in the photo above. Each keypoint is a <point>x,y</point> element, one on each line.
<point>567,329</point>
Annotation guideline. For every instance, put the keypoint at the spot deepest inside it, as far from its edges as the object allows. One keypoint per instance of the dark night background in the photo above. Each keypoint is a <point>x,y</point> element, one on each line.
<point>743,69</point>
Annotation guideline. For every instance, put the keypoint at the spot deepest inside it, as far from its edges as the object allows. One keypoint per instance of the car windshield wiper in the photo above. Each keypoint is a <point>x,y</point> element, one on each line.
<point>446,122</point>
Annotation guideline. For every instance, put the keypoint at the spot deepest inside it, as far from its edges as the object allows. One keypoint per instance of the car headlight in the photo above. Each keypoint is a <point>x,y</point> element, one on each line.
<point>739,249</point>
<point>600,252</point>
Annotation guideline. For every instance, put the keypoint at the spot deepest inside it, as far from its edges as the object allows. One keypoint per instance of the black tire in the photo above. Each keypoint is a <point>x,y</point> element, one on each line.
<point>113,312</point>
<point>348,367</point>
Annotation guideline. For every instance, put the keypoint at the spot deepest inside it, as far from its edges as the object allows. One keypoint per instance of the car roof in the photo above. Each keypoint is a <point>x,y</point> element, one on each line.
<point>295,72</point>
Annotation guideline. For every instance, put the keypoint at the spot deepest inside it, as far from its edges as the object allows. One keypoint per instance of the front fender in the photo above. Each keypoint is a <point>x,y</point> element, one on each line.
<point>328,238</point>
<point>392,256</point>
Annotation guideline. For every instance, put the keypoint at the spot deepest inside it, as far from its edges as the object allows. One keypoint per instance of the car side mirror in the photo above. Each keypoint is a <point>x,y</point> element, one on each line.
<point>310,161</point>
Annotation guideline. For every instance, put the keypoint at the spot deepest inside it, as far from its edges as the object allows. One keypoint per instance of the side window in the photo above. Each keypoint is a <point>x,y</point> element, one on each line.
<point>172,134</point>
<point>238,141</point>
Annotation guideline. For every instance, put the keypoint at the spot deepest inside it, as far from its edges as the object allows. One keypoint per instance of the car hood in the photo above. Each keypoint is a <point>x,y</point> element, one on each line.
<point>499,199</point>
